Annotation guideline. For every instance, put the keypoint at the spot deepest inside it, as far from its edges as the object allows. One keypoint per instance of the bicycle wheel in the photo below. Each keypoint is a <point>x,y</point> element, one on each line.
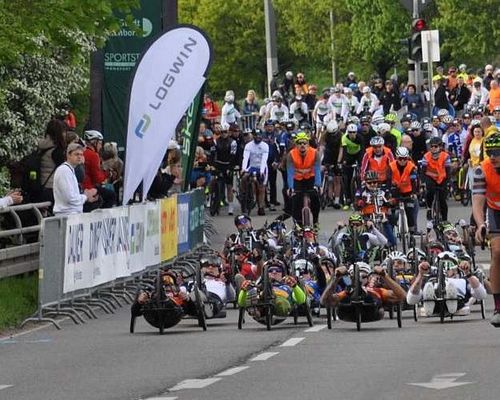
<point>465,197</point>
<point>329,317</point>
<point>200,311</point>
<point>402,230</point>
<point>441,292</point>
<point>358,316</point>
<point>241,317</point>
<point>415,312</point>
<point>214,198</point>
<point>324,196</point>
<point>268,297</point>
<point>249,196</point>
<point>483,311</point>
<point>398,315</point>
<point>356,296</point>
<point>308,313</point>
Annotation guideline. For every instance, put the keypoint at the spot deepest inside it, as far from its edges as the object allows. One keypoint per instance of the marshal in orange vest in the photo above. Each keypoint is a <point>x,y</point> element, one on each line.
<point>436,168</point>
<point>492,185</point>
<point>381,166</point>
<point>304,166</point>
<point>402,180</point>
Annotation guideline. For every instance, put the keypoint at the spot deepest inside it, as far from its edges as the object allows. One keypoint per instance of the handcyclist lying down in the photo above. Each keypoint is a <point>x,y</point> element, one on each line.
<point>378,289</point>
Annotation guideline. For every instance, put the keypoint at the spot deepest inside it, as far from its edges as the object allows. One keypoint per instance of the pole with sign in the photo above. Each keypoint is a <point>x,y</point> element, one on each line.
<point>430,54</point>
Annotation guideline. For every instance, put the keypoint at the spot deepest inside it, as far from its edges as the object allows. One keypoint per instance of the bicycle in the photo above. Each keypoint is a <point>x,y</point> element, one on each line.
<point>403,230</point>
<point>326,181</point>
<point>398,307</point>
<point>436,216</point>
<point>216,192</point>
<point>466,187</point>
<point>248,198</point>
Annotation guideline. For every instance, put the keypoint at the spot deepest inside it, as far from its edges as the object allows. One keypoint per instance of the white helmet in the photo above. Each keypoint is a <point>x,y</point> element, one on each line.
<point>442,112</point>
<point>363,267</point>
<point>402,152</point>
<point>229,98</point>
<point>415,125</point>
<point>366,89</point>
<point>428,127</point>
<point>450,259</point>
<point>378,119</point>
<point>302,267</point>
<point>377,141</point>
<point>352,128</point>
<point>447,119</point>
<point>93,135</point>
<point>462,67</point>
<point>332,126</point>
<point>384,127</point>
<point>397,255</point>
<point>421,256</point>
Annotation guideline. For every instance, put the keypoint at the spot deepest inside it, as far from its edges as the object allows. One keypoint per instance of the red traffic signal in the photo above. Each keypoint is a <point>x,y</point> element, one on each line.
<point>419,25</point>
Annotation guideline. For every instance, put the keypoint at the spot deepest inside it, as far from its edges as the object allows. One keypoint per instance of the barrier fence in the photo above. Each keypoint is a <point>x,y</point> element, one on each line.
<point>88,259</point>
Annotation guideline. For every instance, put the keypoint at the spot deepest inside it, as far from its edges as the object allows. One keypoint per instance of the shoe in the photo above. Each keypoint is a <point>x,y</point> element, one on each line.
<point>465,310</point>
<point>429,298</point>
<point>261,212</point>
<point>276,203</point>
<point>222,203</point>
<point>429,215</point>
<point>336,206</point>
<point>346,207</point>
<point>495,320</point>
<point>230,210</point>
<point>451,299</point>
<point>272,208</point>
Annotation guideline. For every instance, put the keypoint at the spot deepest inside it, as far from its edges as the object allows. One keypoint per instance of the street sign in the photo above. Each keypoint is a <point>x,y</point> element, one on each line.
<point>444,381</point>
<point>430,46</point>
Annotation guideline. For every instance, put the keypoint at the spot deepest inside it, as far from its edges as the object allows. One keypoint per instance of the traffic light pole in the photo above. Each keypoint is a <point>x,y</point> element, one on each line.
<point>417,76</point>
<point>271,48</point>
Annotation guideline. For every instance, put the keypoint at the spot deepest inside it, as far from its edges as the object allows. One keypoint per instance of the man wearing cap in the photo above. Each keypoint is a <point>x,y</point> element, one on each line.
<point>460,95</point>
<point>351,78</point>
<point>488,76</point>
<point>67,196</point>
<point>480,94</point>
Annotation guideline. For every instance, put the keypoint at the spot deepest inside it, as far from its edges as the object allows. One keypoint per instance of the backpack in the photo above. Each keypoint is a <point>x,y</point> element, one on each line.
<point>31,183</point>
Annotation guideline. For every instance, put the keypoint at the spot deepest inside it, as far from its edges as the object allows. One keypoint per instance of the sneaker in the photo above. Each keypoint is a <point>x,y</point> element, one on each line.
<point>451,298</point>
<point>495,320</point>
<point>429,298</point>
<point>271,207</point>
<point>336,206</point>
<point>230,210</point>
<point>465,310</point>
<point>261,212</point>
<point>276,203</point>
<point>346,207</point>
<point>429,215</point>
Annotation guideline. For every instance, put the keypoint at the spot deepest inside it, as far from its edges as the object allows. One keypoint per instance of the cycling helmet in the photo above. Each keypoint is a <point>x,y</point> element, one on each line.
<point>353,120</point>
<point>463,256</point>
<point>416,125</point>
<point>397,255</point>
<point>269,122</point>
<point>93,135</point>
<point>402,152</point>
<point>210,260</point>
<point>276,263</point>
<point>447,119</point>
<point>362,266</point>
<point>449,259</point>
<point>353,86</point>
<point>301,136</point>
<point>442,112</point>
<point>290,125</point>
<point>302,267</point>
<point>169,277</point>
<point>435,247</point>
<point>377,141</point>
<point>247,131</point>
<point>384,128</point>
<point>242,219</point>
<point>241,249</point>
<point>309,233</point>
<point>496,109</point>
<point>405,118</point>
<point>435,140</point>
<point>352,128</point>
<point>366,89</point>
<point>332,126</point>
<point>390,117</point>
<point>492,142</point>
<point>356,217</point>
<point>305,126</point>
<point>462,67</point>
<point>421,256</point>
<point>257,132</point>
<point>347,91</point>
<point>371,176</point>
<point>425,121</point>
<point>377,119</point>
<point>365,119</point>
<point>428,127</point>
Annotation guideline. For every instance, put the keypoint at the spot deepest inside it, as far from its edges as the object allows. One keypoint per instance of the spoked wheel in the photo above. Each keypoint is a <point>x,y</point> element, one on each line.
<point>358,317</point>
<point>415,312</point>
<point>442,311</point>
<point>132,323</point>
<point>268,297</point>
<point>329,317</point>
<point>399,316</point>
<point>295,315</point>
<point>202,323</point>
<point>214,199</point>
<point>483,313</point>
<point>308,313</point>
<point>241,317</point>
<point>356,294</point>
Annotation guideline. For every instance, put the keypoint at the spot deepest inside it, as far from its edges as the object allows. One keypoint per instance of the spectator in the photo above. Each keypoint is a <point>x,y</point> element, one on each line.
<point>11,198</point>
<point>302,83</point>
<point>413,101</point>
<point>311,97</point>
<point>211,112</point>
<point>173,167</point>
<point>113,165</point>
<point>230,114</point>
<point>440,97</point>
<point>69,118</point>
<point>288,85</point>
<point>389,98</point>
<point>494,95</point>
<point>67,196</point>
<point>351,78</point>
<point>488,76</point>
<point>479,94</point>
<point>251,108</point>
<point>95,176</point>
<point>460,95</point>
<point>52,147</point>
<point>452,78</point>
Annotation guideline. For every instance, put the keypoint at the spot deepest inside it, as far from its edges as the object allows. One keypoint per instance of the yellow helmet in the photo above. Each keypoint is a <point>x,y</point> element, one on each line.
<point>301,136</point>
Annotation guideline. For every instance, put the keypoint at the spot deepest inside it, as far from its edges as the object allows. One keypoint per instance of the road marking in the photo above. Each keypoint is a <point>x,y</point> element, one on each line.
<point>194,384</point>
<point>292,342</point>
<point>443,381</point>
<point>5,386</point>
<point>265,356</point>
<point>232,371</point>
<point>161,398</point>
<point>316,328</point>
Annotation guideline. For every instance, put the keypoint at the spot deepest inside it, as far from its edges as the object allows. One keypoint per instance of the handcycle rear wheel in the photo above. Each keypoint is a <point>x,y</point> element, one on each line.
<point>200,310</point>
<point>268,297</point>
<point>241,317</point>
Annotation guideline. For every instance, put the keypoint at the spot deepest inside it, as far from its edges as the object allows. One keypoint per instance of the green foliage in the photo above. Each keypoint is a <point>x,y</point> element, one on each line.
<point>18,299</point>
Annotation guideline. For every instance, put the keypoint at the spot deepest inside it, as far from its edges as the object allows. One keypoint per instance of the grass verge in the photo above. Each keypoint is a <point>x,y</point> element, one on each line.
<point>18,298</point>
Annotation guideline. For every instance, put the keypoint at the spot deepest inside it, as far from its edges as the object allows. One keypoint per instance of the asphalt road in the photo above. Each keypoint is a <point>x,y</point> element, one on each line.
<point>101,360</point>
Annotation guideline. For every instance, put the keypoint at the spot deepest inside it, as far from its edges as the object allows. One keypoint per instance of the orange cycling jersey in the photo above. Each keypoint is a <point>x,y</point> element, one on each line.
<point>304,166</point>
<point>402,180</point>
<point>380,166</point>
<point>436,169</point>
<point>492,185</point>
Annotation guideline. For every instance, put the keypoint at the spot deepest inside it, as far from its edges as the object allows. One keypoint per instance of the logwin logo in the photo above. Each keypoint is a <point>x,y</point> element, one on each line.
<point>142,126</point>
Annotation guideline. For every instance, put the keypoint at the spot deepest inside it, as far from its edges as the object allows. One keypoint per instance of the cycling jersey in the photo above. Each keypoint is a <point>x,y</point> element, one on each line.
<point>225,152</point>
<point>479,96</point>
<point>255,156</point>
<point>368,103</point>
<point>279,113</point>
<point>340,106</point>
<point>453,144</point>
<point>229,114</point>
<point>492,178</point>
<point>322,108</point>
<point>380,164</point>
<point>299,111</point>
<point>352,147</point>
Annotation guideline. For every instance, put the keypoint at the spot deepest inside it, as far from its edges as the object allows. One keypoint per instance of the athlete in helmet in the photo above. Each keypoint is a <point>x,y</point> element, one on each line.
<point>377,158</point>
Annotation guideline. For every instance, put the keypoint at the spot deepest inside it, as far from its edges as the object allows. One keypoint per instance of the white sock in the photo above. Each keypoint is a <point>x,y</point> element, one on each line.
<point>336,200</point>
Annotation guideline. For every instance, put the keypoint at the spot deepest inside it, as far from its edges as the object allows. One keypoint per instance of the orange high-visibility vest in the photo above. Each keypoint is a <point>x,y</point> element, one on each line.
<point>492,185</point>
<point>381,166</point>
<point>304,166</point>
<point>402,181</point>
<point>436,168</point>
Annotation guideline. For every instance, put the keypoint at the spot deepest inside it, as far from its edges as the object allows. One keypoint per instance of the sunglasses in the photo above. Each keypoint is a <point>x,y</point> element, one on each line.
<point>275,270</point>
<point>356,224</point>
<point>402,158</point>
<point>435,146</point>
<point>302,143</point>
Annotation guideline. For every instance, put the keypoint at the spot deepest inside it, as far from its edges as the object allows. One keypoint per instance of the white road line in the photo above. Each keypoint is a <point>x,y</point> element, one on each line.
<point>264,356</point>
<point>161,398</point>
<point>5,386</point>
<point>194,384</point>
<point>316,328</point>
<point>292,342</point>
<point>232,371</point>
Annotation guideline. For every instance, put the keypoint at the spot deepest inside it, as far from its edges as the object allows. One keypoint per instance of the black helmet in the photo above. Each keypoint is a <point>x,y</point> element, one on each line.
<point>257,132</point>
<point>242,219</point>
<point>435,140</point>
<point>371,176</point>
<point>290,126</point>
<point>211,259</point>
<point>269,122</point>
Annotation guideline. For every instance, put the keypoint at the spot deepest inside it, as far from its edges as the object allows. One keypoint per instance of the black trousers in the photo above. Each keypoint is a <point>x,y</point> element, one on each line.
<point>300,187</point>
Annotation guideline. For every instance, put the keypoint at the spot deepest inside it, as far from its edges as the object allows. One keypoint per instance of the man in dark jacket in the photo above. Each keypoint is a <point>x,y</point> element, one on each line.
<point>390,97</point>
<point>440,97</point>
<point>460,96</point>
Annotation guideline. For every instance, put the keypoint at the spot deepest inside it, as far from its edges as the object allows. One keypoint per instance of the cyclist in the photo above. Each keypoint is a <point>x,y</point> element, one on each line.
<point>323,112</point>
<point>219,290</point>
<point>230,113</point>
<point>303,174</point>
<point>352,143</point>
<point>390,141</point>
<point>224,160</point>
<point>332,156</point>
<point>279,111</point>
<point>435,166</point>
<point>377,158</point>
<point>286,292</point>
<point>486,193</point>
<point>377,288</point>
<point>352,101</point>
<point>419,139</point>
<point>367,132</point>
<point>299,110</point>
<point>369,102</point>
<point>391,119</point>
<point>366,200</point>
<point>255,161</point>
<point>403,180</point>
<point>313,250</point>
<point>340,105</point>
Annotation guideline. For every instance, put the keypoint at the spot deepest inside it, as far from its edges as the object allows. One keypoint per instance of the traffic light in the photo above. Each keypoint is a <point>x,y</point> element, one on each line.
<point>417,26</point>
<point>405,47</point>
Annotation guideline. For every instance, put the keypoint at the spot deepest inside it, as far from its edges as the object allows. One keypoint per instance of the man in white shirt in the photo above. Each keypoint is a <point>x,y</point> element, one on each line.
<point>14,197</point>
<point>67,196</point>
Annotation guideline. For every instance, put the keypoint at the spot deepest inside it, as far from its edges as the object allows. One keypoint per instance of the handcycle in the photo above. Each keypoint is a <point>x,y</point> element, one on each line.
<point>302,309</point>
<point>248,197</point>
<point>216,192</point>
<point>403,231</point>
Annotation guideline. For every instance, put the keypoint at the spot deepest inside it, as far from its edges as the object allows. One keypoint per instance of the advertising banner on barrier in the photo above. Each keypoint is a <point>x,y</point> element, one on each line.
<point>168,228</point>
<point>196,217</point>
<point>144,234</point>
<point>96,249</point>
<point>183,222</point>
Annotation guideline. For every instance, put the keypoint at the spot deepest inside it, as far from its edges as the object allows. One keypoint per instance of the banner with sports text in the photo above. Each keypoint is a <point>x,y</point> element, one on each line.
<point>168,225</point>
<point>183,201</point>
<point>167,78</point>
